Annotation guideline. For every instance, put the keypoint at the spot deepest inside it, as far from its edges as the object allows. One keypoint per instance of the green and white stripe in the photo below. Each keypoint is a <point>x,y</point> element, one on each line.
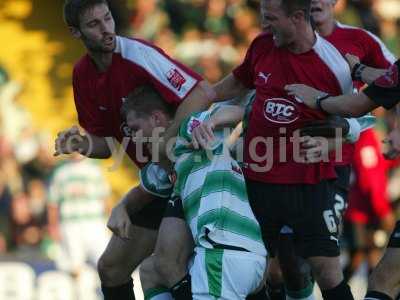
<point>213,193</point>
<point>79,189</point>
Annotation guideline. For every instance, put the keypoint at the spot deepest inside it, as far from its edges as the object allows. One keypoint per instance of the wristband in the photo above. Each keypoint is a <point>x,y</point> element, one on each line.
<point>357,71</point>
<point>319,100</point>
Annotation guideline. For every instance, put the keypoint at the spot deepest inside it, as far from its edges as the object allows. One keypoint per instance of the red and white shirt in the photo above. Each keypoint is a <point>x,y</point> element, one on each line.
<point>99,95</point>
<point>363,44</point>
<point>275,115</point>
<point>369,49</point>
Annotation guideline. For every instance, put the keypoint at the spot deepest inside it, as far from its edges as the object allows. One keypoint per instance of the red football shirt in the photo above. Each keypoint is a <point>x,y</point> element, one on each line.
<point>368,197</point>
<point>371,51</point>
<point>99,95</point>
<point>275,115</point>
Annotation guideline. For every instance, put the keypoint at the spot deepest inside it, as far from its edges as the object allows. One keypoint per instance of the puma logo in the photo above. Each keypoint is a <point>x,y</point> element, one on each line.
<point>264,77</point>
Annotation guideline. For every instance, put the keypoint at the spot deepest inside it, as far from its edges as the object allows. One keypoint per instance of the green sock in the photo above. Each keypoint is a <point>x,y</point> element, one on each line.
<point>304,294</point>
<point>157,294</point>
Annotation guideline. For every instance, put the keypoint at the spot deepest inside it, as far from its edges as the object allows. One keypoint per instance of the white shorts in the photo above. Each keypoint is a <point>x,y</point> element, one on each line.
<point>225,274</point>
<point>81,242</point>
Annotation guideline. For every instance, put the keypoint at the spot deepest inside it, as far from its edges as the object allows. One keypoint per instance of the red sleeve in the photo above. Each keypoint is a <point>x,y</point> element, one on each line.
<point>89,117</point>
<point>176,78</point>
<point>173,80</point>
<point>245,71</point>
<point>370,172</point>
<point>377,54</point>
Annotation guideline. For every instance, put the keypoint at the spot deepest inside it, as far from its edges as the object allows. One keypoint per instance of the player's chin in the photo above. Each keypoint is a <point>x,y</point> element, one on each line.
<point>318,18</point>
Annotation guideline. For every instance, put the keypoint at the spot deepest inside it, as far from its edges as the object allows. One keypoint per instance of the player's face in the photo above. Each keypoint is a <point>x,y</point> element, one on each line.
<point>97,29</point>
<point>263,12</point>
<point>143,123</point>
<point>279,23</point>
<point>322,11</point>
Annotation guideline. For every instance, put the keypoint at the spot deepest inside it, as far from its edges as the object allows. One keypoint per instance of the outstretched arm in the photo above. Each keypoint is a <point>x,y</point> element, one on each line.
<point>346,105</point>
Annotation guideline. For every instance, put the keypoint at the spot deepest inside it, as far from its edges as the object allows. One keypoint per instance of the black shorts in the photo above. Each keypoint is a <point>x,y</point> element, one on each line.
<point>342,185</point>
<point>394,241</point>
<point>151,215</point>
<point>342,182</point>
<point>174,208</point>
<point>307,209</point>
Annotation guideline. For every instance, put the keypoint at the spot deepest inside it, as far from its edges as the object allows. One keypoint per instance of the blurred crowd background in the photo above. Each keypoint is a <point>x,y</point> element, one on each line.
<point>36,100</point>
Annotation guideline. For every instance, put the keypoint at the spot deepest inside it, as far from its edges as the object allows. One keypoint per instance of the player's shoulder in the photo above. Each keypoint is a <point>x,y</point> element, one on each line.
<point>133,46</point>
<point>264,39</point>
<point>82,64</point>
<point>356,33</point>
<point>262,44</point>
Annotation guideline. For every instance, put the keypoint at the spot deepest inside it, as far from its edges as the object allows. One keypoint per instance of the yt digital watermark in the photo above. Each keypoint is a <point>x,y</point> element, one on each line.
<point>262,152</point>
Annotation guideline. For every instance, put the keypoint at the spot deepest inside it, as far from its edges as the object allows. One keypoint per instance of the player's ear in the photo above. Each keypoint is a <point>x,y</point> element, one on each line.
<point>76,33</point>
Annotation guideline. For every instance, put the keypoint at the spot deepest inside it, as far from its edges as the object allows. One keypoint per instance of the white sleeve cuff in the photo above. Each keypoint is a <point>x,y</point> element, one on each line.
<point>354,130</point>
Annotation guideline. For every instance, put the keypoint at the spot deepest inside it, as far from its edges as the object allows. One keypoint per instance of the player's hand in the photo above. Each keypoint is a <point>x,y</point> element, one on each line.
<point>203,135</point>
<point>326,128</point>
<point>119,222</point>
<point>352,60</point>
<point>313,150</point>
<point>68,141</point>
<point>304,94</point>
<point>393,141</point>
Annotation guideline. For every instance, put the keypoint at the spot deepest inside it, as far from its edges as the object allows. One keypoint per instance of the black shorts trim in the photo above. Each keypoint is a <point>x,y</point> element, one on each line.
<point>174,208</point>
<point>150,216</point>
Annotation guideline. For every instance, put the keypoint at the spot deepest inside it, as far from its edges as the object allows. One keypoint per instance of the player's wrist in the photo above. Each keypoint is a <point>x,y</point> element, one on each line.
<point>357,70</point>
<point>318,101</point>
<point>81,144</point>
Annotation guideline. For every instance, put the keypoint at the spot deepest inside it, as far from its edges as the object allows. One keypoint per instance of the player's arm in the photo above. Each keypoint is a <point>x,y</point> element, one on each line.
<point>345,105</point>
<point>53,213</point>
<point>227,115</point>
<point>119,222</point>
<point>53,225</point>
<point>229,88</point>
<point>199,99</point>
<point>362,72</point>
<point>89,145</point>
<point>224,116</point>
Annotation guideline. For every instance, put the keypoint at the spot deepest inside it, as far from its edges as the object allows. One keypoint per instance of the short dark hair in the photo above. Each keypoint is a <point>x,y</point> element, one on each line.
<point>144,100</point>
<point>290,6</point>
<point>73,10</point>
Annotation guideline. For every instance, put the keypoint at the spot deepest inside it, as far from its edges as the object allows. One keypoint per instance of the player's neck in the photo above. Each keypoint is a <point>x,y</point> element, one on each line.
<point>101,60</point>
<point>305,40</point>
<point>325,29</point>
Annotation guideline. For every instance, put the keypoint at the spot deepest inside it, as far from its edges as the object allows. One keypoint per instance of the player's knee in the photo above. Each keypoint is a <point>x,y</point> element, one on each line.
<point>103,267</point>
<point>149,277</point>
<point>274,273</point>
<point>327,272</point>
<point>109,270</point>
<point>166,265</point>
<point>296,273</point>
